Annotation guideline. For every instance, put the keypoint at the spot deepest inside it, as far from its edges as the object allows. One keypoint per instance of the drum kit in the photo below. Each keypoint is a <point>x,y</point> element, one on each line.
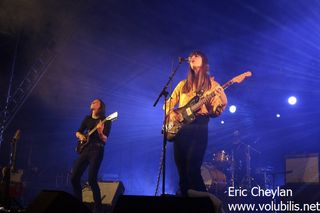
<point>214,172</point>
<point>225,169</point>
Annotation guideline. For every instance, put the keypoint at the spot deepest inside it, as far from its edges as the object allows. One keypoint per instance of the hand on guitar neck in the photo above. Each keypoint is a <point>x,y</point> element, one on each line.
<point>100,128</point>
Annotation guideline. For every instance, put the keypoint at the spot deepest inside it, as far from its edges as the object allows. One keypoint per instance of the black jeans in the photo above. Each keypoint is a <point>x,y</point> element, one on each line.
<point>189,148</point>
<point>91,156</point>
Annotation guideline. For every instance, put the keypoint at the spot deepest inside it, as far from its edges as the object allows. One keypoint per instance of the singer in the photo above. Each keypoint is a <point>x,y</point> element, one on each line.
<point>191,141</point>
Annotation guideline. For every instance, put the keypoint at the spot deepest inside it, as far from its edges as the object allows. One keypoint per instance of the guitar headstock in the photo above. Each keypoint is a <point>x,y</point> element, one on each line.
<point>238,79</point>
<point>112,116</point>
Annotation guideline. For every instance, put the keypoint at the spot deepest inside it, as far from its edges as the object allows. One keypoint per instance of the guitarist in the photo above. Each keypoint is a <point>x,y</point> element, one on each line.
<point>92,154</point>
<point>191,141</point>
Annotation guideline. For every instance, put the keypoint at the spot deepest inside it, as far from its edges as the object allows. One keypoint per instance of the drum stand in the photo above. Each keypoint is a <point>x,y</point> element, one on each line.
<point>248,168</point>
<point>232,169</point>
<point>247,179</point>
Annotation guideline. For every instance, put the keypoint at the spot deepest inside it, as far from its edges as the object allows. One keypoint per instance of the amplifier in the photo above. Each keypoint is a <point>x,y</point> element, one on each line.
<point>110,192</point>
<point>302,168</point>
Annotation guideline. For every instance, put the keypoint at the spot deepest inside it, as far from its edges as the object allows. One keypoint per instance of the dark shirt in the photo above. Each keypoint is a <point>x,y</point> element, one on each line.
<point>89,123</point>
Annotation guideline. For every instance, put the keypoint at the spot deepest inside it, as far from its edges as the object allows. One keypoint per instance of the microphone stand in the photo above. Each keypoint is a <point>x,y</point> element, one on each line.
<point>165,93</point>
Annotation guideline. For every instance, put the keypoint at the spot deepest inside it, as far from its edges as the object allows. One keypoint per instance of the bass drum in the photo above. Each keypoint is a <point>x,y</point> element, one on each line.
<point>214,179</point>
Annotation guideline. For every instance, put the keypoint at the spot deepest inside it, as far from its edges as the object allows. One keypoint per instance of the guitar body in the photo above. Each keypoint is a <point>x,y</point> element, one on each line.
<point>11,185</point>
<point>81,145</point>
<point>185,115</point>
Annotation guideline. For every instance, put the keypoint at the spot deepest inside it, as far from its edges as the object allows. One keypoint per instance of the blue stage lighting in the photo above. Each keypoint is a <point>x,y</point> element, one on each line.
<point>232,109</point>
<point>222,122</point>
<point>278,115</point>
<point>292,100</point>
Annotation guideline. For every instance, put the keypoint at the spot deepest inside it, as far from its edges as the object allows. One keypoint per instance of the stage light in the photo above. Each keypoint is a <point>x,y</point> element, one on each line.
<point>292,100</point>
<point>278,115</point>
<point>222,122</point>
<point>232,109</point>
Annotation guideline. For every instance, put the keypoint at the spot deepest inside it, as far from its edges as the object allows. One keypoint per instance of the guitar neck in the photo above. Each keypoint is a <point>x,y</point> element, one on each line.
<point>13,156</point>
<point>95,128</point>
<point>208,97</point>
<point>111,117</point>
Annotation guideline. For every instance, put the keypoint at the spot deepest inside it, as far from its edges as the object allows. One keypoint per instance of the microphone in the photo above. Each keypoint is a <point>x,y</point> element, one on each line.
<point>17,135</point>
<point>182,59</point>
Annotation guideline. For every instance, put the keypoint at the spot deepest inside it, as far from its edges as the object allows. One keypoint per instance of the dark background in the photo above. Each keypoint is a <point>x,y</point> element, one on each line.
<point>123,52</point>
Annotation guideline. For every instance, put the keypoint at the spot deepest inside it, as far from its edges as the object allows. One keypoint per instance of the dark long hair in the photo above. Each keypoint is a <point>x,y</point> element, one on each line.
<point>202,81</point>
<point>102,109</point>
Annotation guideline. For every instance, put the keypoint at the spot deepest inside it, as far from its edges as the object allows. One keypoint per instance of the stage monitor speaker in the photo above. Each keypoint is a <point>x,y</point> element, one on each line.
<point>302,168</point>
<point>56,201</point>
<point>163,204</point>
<point>110,192</point>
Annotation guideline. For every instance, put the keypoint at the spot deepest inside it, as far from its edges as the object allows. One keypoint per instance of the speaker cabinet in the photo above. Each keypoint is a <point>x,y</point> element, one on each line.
<point>147,204</point>
<point>303,193</point>
<point>110,192</point>
<point>302,169</point>
<point>56,201</point>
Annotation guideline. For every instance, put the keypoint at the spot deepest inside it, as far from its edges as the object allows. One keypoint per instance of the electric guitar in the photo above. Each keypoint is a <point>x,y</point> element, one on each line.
<point>83,143</point>
<point>186,114</point>
<point>11,186</point>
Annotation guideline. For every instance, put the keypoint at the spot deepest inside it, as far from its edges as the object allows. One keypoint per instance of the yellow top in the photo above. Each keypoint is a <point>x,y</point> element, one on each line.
<point>183,98</point>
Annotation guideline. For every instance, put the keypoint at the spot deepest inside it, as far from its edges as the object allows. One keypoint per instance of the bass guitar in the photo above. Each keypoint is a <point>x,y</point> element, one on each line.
<point>186,114</point>
<point>83,143</point>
